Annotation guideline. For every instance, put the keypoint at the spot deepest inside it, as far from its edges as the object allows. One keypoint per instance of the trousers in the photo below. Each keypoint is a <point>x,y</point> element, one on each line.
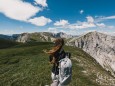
<point>55,80</point>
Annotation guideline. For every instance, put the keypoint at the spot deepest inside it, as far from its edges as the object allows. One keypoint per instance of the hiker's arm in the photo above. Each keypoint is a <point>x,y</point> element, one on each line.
<point>52,51</point>
<point>45,51</point>
<point>48,52</point>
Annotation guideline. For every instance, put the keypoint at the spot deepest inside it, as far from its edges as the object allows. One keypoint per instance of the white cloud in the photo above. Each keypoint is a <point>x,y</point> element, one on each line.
<point>111,27</point>
<point>41,2</point>
<point>81,25</point>
<point>109,17</point>
<point>101,25</point>
<point>89,23</point>
<point>61,23</point>
<point>53,30</point>
<point>18,9</point>
<point>103,18</point>
<point>90,19</point>
<point>81,11</point>
<point>40,21</point>
<point>7,32</point>
<point>24,11</point>
<point>63,31</point>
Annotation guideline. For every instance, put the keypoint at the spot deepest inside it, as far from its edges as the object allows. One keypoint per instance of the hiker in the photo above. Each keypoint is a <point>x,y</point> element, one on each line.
<point>56,54</point>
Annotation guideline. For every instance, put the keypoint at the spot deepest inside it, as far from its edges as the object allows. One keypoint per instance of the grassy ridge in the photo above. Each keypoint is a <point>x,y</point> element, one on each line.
<point>7,43</point>
<point>27,65</point>
<point>24,66</point>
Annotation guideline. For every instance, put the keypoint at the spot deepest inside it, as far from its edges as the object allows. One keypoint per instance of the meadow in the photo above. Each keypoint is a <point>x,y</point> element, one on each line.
<point>27,65</point>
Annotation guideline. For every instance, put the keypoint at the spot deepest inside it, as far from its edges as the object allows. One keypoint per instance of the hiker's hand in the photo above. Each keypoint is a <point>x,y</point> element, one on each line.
<point>45,51</point>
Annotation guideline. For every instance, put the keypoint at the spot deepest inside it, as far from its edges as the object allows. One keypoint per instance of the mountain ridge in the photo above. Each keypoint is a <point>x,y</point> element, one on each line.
<point>36,36</point>
<point>100,46</point>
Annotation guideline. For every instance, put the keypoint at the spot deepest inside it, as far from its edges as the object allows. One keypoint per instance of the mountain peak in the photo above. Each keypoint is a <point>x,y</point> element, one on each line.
<point>95,32</point>
<point>100,46</point>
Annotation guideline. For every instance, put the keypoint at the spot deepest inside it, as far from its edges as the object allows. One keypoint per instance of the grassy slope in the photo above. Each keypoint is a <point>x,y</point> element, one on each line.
<point>37,37</point>
<point>27,65</point>
<point>6,43</point>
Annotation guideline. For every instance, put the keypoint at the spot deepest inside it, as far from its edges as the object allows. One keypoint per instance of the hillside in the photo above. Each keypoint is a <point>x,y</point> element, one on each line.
<point>27,65</point>
<point>100,46</point>
<point>36,37</point>
<point>5,37</point>
<point>41,37</point>
<point>4,43</point>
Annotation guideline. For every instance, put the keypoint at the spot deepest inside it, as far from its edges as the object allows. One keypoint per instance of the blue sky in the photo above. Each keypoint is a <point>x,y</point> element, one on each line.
<point>69,16</point>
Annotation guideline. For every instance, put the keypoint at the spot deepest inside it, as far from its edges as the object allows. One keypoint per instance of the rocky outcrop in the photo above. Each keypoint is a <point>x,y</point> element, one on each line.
<point>23,38</point>
<point>100,46</point>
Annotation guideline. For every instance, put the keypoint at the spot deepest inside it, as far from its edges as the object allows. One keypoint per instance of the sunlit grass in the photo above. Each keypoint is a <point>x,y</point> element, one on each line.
<point>27,65</point>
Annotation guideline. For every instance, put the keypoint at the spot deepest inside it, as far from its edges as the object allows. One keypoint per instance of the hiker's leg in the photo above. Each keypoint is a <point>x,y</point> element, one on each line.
<point>55,83</point>
<point>59,84</point>
<point>55,79</point>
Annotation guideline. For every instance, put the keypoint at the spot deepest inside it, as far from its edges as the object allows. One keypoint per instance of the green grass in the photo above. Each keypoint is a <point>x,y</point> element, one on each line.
<point>7,43</point>
<point>37,37</point>
<point>27,65</point>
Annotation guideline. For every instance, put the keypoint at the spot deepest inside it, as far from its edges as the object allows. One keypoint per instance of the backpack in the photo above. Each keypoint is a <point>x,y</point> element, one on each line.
<point>65,70</point>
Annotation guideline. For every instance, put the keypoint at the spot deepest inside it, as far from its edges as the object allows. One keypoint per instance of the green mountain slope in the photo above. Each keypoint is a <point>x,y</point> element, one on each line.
<point>4,43</point>
<point>27,65</point>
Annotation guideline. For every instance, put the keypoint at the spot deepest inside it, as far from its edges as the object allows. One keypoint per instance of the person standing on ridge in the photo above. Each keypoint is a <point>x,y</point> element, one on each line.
<point>56,54</point>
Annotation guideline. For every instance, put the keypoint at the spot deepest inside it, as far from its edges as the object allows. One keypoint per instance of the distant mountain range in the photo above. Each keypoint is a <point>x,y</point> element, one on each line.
<point>41,37</point>
<point>37,36</point>
<point>11,37</point>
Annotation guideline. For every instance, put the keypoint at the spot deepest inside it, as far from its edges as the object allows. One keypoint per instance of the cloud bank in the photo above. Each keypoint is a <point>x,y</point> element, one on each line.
<point>41,2</point>
<point>39,21</point>
<point>61,23</point>
<point>23,11</point>
<point>89,23</point>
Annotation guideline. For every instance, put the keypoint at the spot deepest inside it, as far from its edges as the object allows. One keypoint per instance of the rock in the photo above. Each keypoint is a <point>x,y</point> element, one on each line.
<point>23,38</point>
<point>100,46</point>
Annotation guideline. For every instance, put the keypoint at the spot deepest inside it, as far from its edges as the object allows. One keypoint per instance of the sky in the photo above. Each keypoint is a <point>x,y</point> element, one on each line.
<point>73,17</point>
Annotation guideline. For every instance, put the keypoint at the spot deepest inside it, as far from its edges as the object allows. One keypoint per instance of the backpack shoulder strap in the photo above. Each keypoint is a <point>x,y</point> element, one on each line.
<point>61,54</point>
<point>68,55</point>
